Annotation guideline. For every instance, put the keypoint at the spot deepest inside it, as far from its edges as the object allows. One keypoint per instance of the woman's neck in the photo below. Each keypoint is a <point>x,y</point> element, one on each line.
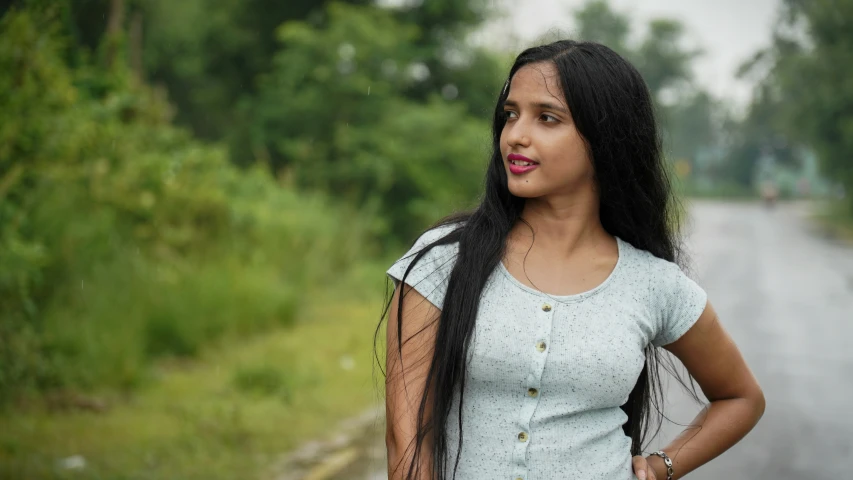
<point>561,226</point>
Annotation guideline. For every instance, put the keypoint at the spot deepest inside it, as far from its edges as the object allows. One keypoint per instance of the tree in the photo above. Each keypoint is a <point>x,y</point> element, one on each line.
<point>208,55</point>
<point>689,115</point>
<point>803,95</point>
<point>334,115</point>
<point>174,245</point>
<point>694,121</point>
<point>664,63</point>
<point>598,22</point>
<point>811,66</point>
<point>660,56</point>
<point>760,133</point>
<point>441,47</point>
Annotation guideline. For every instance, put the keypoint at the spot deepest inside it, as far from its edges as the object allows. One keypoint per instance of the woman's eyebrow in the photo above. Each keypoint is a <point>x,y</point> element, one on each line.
<point>542,105</point>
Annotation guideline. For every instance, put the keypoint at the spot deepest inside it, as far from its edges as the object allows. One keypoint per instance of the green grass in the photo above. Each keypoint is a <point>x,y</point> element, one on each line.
<point>728,191</point>
<point>836,220</point>
<point>229,414</point>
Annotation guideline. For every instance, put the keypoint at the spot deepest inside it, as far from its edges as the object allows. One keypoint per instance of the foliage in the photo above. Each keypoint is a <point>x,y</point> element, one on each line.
<point>209,55</point>
<point>695,121</point>
<point>759,134</point>
<point>122,239</point>
<point>229,415</point>
<point>598,22</point>
<point>690,118</point>
<point>836,220</point>
<point>659,56</point>
<point>803,96</point>
<point>332,116</point>
<point>811,69</point>
<point>206,54</point>
<point>262,380</point>
<point>469,76</point>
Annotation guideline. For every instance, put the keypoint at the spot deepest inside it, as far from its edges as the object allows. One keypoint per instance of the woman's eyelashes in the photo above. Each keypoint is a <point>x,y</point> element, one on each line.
<point>545,117</point>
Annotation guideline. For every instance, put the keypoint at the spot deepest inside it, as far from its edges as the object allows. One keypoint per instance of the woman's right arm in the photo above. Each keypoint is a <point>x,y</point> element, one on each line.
<point>406,372</point>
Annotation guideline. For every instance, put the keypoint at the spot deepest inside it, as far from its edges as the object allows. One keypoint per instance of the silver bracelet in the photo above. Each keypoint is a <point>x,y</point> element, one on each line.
<point>667,462</point>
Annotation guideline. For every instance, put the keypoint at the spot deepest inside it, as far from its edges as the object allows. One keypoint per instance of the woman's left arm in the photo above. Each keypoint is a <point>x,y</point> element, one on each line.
<point>736,400</point>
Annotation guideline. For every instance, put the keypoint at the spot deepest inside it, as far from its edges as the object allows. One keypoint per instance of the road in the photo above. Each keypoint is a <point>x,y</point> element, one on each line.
<point>785,294</point>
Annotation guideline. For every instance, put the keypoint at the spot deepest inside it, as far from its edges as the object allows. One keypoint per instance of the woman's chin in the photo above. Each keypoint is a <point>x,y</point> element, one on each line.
<point>524,188</point>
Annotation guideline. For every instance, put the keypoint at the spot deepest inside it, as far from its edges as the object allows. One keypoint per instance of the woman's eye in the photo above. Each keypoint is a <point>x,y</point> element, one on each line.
<point>510,114</point>
<point>548,118</point>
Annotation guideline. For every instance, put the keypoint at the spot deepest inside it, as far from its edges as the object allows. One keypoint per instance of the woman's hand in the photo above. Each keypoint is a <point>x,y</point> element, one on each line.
<point>642,469</point>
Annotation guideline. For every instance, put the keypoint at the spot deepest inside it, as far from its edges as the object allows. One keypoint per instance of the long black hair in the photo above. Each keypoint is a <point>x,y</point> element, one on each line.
<point>614,112</point>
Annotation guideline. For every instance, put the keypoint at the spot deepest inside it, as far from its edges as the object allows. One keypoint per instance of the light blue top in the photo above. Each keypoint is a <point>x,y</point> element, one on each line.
<point>547,374</point>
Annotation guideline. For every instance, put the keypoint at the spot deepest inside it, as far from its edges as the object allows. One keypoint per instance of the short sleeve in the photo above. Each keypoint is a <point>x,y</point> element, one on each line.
<point>431,273</point>
<point>679,300</point>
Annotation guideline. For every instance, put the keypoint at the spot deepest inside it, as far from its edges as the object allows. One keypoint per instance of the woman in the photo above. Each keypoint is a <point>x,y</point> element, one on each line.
<point>522,338</point>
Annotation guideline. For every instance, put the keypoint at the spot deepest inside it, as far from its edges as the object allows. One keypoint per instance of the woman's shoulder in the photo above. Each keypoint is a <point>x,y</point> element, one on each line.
<point>437,254</point>
<point>430,273</point>
<point>650,272</point>
<point>645,262</point>
<point>674,299</point>
<point>436,233</point>
<point>660,274</point>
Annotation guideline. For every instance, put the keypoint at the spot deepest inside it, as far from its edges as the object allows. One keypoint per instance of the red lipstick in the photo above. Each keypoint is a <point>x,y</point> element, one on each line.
<point>519,164</point>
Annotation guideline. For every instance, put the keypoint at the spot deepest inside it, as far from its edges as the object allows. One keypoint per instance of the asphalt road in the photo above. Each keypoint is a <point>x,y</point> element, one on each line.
<point>785,294</point>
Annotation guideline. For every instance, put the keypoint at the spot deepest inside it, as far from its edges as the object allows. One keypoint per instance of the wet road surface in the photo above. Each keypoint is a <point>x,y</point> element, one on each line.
<point>785,294</point>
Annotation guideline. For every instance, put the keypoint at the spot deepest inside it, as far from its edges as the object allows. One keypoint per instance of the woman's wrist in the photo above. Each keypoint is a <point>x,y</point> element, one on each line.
<point>658,466</point>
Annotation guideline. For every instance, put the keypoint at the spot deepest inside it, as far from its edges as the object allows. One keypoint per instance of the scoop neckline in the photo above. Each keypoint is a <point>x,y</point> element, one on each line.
<point>620,248</point>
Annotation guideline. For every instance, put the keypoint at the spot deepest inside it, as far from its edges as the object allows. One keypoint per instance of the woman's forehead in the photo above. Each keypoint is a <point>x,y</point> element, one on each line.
<point>536,80</point>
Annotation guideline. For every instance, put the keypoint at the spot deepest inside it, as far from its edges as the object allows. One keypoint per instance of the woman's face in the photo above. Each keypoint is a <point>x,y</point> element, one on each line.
<point>543,152</point>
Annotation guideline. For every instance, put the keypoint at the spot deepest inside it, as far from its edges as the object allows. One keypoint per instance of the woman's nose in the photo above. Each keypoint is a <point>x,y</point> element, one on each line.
<point>518,134</point>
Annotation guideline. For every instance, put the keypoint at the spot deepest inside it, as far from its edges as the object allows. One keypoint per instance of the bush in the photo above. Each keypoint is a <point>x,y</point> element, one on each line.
<point>122,239</point>
<point>263,380</point>
<point>333,115</point>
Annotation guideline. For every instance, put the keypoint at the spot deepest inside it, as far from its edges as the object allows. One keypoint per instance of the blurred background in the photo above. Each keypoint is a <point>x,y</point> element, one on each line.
<point>198,200</point>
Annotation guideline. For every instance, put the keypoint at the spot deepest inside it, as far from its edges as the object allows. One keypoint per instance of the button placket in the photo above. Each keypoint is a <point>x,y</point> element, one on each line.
<point>531,391</point>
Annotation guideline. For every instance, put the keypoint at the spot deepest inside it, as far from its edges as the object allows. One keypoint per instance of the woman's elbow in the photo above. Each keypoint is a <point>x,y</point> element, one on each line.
<point>395,451</point>
<point>759,404</point>
<point>390,443</point>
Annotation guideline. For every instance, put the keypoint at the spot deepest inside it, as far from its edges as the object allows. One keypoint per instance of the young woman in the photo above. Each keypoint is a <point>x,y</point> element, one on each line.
<point>523,337</point>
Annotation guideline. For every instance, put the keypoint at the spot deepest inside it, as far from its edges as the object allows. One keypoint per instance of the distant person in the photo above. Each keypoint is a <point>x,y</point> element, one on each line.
<point>769,193</point>
<point>523,337</point>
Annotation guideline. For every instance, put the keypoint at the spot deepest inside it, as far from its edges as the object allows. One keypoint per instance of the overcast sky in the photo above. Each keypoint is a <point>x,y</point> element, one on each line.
<point>729,31</point>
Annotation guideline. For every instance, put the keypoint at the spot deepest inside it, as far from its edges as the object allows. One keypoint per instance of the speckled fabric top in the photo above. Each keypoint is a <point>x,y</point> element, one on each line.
<point>547,374</point>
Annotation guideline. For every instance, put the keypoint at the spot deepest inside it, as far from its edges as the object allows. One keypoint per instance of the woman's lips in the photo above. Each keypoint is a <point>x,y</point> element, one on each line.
<point>519,164</point>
